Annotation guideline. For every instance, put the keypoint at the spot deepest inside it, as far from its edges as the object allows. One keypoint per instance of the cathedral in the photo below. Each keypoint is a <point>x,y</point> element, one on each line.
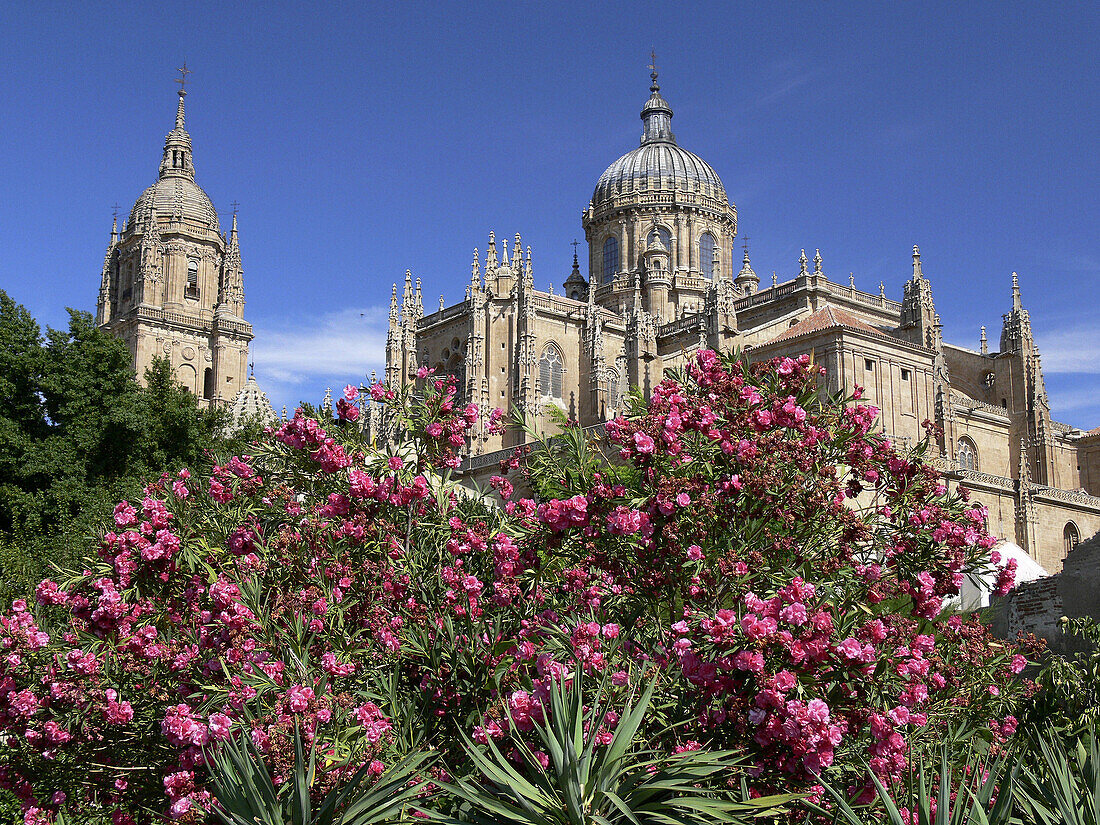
<point>172,285</point>
<point>662,283</point>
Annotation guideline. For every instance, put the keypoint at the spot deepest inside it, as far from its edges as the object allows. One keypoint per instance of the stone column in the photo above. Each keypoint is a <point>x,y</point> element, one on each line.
<point>622,246</point>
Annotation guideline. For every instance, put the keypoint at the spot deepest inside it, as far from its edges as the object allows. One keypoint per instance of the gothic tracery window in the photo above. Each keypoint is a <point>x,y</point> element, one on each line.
<point>706,255</point>
<point>611,386</point>
<point>551,374</point>
<point>610,259</point>
<point>967,455</point>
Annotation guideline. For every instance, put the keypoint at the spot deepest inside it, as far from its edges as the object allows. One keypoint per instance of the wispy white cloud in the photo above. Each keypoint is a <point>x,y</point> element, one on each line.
<point>1075,349</point>
<point>294,357</point>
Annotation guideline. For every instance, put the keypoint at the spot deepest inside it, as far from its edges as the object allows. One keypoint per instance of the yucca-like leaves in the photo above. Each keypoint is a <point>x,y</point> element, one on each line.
<point>589,784</point>
<point>1064,788</point>
<point>983,797</point>
<point>247,794</point>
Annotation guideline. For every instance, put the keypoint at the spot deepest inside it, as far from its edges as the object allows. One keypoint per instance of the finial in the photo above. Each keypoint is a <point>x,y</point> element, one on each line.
<point>775,279</point>
<point>803,261</point>
<point>984,342</point>
<point>817,262</point>
<point>1016,302</point>
<point>576,263</point>
<point>917,273</point>
<point>653,71</point>
<point>504,255</point>
<point>852,280</point>
<point>251,369</point>
<point>475,269</point>
<point>114,223</point>
<point>233,231</point>
<point>182,80</point>
<point>881,289</point>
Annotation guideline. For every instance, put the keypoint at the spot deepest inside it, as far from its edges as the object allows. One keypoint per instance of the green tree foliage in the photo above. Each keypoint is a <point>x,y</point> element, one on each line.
<point>78,432</point>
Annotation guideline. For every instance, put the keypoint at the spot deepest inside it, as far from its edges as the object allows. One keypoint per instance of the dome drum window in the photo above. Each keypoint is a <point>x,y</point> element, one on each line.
<point>708,266</point>
<point>191,289</point>
<point>610,259</point>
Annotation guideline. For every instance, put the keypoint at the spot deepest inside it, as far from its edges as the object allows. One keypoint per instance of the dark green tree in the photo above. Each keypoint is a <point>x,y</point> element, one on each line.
<point>77,432</point>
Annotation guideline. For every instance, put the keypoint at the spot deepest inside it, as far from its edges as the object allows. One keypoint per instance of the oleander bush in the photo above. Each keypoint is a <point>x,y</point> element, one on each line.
<point>774,572</point>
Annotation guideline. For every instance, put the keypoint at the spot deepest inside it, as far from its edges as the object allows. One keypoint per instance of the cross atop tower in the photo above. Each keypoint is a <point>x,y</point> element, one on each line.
<point>745,243</point>
<point>575,242</point>
<point>653,87</point>
<point>235,206</point>
<point>182,79</point>
<point>114,213</point>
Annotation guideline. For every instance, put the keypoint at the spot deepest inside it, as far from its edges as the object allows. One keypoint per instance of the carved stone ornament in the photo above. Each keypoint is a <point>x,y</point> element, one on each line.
<point>188,353</point>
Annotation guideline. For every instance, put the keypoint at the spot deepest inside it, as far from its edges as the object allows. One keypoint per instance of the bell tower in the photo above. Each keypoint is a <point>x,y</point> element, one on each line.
<point>172,285</point>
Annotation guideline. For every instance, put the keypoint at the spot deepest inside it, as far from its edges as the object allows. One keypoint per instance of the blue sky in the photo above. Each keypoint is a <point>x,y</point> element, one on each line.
<point>363,139</point>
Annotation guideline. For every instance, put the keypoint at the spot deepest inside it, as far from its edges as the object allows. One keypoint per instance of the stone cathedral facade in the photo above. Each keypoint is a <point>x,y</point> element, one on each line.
<point>663,282</point>
<point>172,283</point>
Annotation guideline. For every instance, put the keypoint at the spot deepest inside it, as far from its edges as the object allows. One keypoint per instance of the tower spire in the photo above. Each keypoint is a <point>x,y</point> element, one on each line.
<point>177,161</point>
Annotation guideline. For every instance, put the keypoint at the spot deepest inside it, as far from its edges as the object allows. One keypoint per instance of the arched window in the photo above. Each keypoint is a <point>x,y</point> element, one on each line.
<point>662,233</point>
<point>611,386</point>
<point>192,290</point>
<point>967,454</point>
<point>610,259</point>
<point>706,255</point>
<point>550,374</point>
<point>1070,537</point>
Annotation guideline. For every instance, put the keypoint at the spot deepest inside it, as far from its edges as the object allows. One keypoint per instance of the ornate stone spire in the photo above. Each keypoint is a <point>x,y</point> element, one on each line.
<point>803,264</point>
<point>475,273</point>
<point>407,295</point>
<point>817,262</point>
<point>917,273</point>
<point>1016,302</point>
<point>393,303</point>
<point>231,298</point>
<point>491,255</point>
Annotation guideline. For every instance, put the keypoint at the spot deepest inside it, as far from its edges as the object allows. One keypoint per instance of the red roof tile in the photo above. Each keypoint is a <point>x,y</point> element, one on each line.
<point>828,317</point>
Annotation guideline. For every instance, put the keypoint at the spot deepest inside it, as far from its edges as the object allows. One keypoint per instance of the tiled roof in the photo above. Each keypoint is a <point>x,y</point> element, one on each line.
<point>828,317</point>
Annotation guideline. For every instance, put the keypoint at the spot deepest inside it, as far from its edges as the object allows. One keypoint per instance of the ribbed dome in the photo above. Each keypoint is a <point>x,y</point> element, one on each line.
<point>177,197</point>
<point>658,165</point>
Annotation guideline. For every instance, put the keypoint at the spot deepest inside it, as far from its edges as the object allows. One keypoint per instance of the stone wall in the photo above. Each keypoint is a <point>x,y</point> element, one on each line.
<point>1036,607</point>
